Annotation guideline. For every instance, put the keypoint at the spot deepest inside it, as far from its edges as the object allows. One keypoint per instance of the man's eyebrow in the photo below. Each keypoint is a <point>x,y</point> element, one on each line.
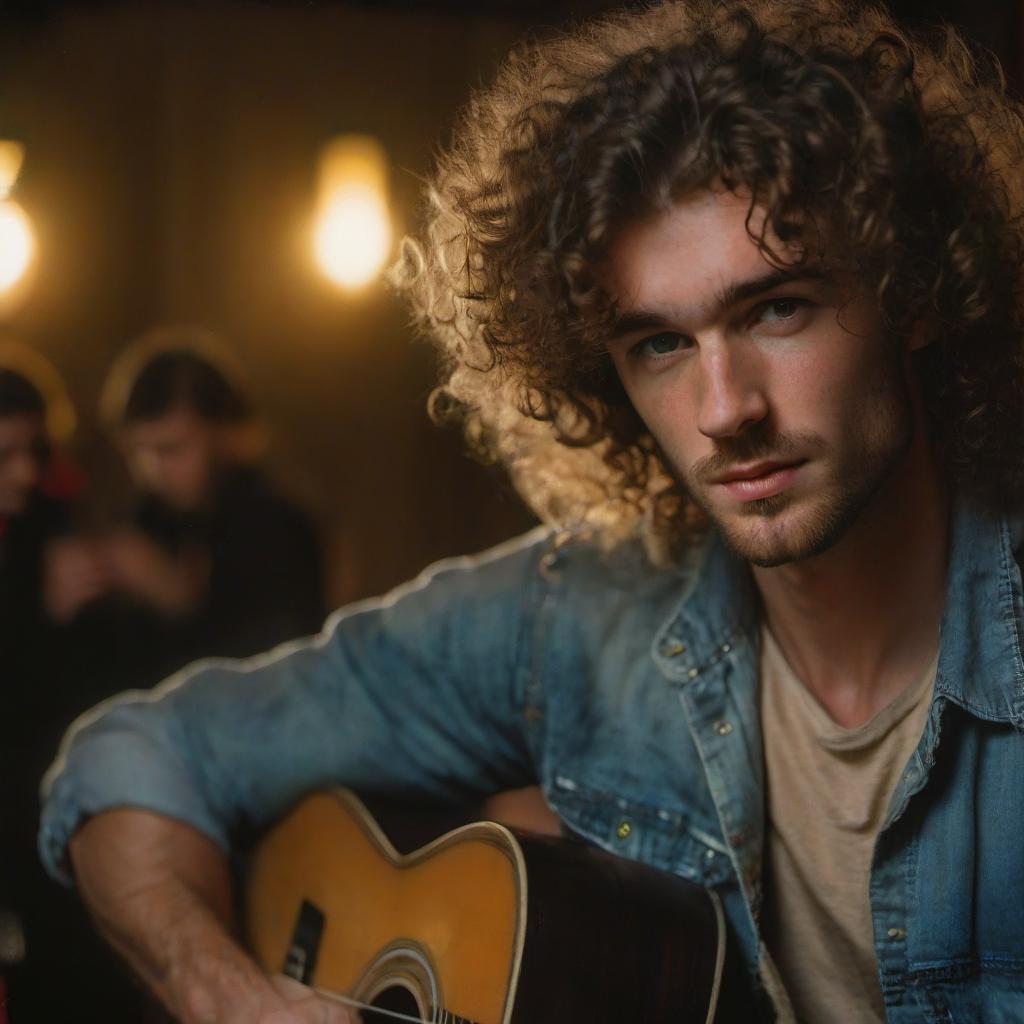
<point>634,321</point>
<point>738,291</point>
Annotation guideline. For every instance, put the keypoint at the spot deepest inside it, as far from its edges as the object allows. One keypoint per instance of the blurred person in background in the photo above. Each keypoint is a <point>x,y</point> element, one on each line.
<point>51,653</point>
<point>224,563</point>
<point>38,585</point>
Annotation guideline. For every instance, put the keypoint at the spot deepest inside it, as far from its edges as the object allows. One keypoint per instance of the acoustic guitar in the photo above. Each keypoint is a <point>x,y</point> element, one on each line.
<point>485,925</point>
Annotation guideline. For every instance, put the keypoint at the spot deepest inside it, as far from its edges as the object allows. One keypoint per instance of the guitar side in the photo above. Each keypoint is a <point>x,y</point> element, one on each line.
<point>482,925</point>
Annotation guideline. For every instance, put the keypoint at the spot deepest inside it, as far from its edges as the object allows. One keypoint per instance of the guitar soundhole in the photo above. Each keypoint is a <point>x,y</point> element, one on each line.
<point>397,1000</point>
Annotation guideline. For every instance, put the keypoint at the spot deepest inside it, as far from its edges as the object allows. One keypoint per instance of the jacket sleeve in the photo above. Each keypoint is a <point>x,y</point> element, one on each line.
<point>419,692</point>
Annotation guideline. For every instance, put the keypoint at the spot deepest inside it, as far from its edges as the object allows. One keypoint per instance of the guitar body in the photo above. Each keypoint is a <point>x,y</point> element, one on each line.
<point>482,926</point>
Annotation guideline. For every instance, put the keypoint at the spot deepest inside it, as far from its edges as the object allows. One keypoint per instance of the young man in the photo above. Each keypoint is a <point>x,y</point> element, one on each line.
<point>226,564</point>
<point>733,288</point>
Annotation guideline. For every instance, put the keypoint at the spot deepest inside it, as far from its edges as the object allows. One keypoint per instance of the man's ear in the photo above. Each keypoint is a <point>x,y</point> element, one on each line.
<point>923,332</point>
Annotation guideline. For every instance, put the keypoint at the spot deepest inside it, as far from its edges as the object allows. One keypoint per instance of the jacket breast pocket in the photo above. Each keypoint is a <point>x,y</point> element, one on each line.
<point>640,830</point>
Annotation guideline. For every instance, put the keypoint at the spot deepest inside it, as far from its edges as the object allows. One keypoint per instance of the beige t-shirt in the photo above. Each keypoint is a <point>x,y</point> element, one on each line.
<point>828,789</point>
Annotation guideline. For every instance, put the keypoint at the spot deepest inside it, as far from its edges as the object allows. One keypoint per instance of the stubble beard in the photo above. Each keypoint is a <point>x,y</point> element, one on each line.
<point>809,534</point>
<point>782,532</point>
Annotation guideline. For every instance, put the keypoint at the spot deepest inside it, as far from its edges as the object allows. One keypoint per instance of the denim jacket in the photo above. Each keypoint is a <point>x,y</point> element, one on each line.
<point>630,694</point>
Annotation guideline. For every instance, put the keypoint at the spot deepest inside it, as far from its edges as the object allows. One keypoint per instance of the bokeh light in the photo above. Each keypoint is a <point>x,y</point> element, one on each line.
<point>12,155</point>
<point>15,243</point>
<point>353,233</point>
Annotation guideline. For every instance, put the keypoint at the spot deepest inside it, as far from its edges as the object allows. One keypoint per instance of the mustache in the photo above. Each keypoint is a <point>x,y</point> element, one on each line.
<point>763,446</point>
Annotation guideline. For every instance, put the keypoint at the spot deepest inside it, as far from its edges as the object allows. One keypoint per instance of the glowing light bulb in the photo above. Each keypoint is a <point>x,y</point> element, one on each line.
<point>15,243</point>
<point>353,235</point>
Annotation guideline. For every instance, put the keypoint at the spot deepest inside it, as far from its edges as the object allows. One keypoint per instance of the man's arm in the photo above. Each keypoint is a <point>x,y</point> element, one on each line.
<point>418,693</point>
<point>160,893</point>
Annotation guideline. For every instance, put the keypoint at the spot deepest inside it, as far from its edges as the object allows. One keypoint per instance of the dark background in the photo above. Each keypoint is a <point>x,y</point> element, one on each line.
<point>170,176</point>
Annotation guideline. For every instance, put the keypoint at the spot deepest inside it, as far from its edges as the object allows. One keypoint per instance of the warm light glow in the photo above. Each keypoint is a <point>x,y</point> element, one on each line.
<point>15,243</point>
<point>352,237</point>
<point>11,156</point>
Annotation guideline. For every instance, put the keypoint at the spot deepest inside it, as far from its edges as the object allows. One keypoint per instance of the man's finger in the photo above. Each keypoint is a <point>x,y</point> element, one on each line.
<point>314,1009</point>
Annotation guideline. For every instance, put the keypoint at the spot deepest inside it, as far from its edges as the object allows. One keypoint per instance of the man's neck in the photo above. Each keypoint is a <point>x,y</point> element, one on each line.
<point>860,622</point>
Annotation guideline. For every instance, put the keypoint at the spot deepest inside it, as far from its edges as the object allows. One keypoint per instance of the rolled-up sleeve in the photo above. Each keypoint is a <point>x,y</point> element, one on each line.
<point>419,692</point>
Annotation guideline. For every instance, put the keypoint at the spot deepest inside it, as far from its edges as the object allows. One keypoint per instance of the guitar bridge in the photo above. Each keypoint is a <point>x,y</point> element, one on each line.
<point>300,960</point>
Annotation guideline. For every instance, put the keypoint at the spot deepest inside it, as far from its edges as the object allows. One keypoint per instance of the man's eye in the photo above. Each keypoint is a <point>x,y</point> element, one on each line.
<point>781,310</point>
<point>663,344</point>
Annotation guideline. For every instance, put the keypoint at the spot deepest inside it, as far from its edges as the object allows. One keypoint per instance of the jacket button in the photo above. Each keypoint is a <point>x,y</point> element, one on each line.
<point>897,933</point>
<point>625,830</point>
<point>723,728</point>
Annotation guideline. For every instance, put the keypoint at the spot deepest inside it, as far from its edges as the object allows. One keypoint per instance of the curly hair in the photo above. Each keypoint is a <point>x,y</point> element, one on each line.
<point>904,148</point>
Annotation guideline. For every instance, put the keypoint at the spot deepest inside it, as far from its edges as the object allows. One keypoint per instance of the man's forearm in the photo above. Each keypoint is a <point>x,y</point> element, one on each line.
<point>160,893</point>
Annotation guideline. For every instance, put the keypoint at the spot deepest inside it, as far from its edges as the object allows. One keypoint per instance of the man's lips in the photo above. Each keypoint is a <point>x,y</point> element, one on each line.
<point>759,480</point>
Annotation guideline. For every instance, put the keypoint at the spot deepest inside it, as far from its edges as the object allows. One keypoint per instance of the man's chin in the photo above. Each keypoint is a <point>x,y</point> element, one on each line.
<point>764,553</point>
<point>779,532</point>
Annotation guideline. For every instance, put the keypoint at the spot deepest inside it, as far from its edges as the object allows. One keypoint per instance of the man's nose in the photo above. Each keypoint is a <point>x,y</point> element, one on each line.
<point>732,394</point>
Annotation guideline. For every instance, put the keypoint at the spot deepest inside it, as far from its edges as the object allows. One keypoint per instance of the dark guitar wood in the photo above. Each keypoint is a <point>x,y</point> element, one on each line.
<point>485,925</point>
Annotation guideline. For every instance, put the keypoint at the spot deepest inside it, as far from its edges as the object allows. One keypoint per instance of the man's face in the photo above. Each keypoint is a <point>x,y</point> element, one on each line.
<point>173,456</point>
<point>779,400</point>
<point>22,445</point>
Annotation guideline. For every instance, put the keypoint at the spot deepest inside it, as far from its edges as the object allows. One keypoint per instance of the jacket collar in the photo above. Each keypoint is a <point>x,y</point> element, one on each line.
<point>718,609</point>
<point>980,663</point>
<point>980,666</point>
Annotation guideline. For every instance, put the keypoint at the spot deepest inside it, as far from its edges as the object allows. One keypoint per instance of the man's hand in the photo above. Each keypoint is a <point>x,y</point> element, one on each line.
<point>73,575</point>
<point>160,893</point>
<point>141,568</point>
<point>303,1005</point>
<point>283,1001</point>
